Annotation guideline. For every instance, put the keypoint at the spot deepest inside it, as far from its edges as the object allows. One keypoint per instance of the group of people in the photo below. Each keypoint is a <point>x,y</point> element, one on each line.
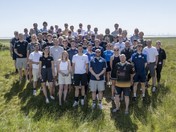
<point>87,60</point>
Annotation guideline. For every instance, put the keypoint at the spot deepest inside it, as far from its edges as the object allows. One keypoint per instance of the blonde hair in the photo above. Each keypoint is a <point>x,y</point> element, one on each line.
<point>67,59</point>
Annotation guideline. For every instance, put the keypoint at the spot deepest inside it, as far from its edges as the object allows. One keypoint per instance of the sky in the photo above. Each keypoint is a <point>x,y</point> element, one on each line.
<point>153,17</point>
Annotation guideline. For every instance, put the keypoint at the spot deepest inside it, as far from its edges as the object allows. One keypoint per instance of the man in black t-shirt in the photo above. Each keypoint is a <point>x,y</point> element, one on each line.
<point>21,52</point>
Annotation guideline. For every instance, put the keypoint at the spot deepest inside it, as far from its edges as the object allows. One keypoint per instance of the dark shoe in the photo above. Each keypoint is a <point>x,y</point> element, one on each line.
<point>134,98</point>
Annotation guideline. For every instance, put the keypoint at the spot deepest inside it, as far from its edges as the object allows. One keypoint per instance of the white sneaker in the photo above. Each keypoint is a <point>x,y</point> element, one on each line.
<point>93,105</point>
<point>34,92</point>
<point>52,97</point>
<point>47,100</point>
<point>100,106</point>
<point>115,110</point>
<point>153,89</point>
<point>82,102</point>
<point>75,103</point>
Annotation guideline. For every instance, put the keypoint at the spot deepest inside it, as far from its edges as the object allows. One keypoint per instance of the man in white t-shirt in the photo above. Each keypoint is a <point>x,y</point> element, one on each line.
<point>80,70</point>
<point>152,60</point>
<point>34,61</point>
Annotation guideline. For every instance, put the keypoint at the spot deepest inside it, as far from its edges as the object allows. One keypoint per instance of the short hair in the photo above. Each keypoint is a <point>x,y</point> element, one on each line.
<point>79,45</point>
<point>45,23</point>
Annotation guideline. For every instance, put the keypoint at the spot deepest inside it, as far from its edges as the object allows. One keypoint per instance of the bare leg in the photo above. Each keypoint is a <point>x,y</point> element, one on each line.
<point>60,93</point>
<point>65,91</point>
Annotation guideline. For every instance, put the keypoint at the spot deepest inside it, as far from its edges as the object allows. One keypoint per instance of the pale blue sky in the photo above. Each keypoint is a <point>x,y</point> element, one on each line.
<point>154,17</point>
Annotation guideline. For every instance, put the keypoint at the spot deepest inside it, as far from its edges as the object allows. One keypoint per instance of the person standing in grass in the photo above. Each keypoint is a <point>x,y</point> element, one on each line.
<point>64,77</point>
<point>113,61</point>
<point>152,61</point>
<point>107,55</point>
<point>46,72</point>
<point>12,46</point>
<point>124,74</point>
<point>97,70</point>
<point>56,53</point>
<point>161,61</point>
<point>34,62</point>
<point>140,62</point>
<point>80,70</point>
<point>21,52</point>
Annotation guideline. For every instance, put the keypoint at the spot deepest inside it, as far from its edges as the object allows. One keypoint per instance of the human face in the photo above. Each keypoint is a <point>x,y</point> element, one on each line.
<point>116,50</point>
<point>122,58</point>
<point>36,47</point>
<point>21,37</point>
<point>55,41</point>
<point>98,53</point>
<point>80,49</point>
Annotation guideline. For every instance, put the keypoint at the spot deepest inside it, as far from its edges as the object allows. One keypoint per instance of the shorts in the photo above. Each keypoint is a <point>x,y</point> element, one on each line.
<point>80,79</point>
<point>97,85</point>
<point>64,79</point>
<point>139,77</point>
<point>151,67</point>
<point>46,75</point>
<point>108,69</point>
<point>113,75</point>
<point>21,63</point>
<point>125,90</point>
<point>35,74</point>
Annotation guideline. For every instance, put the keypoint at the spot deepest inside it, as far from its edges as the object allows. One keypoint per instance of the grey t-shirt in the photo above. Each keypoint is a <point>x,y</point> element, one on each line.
<point>56,52</point>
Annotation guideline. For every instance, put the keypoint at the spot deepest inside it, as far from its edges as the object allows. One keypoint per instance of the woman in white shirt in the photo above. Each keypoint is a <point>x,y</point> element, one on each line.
<point>64,77</point>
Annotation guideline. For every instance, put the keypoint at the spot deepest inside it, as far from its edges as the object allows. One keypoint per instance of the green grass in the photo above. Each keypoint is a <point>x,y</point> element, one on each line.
<point>20,111</point>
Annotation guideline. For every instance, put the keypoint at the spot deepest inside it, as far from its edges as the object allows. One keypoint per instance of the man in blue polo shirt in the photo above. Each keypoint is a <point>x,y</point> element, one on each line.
<point>97,70</point>
<point>140,62</point>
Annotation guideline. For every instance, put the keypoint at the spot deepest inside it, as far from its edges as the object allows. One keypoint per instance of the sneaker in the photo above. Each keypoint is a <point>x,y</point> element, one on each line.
<point>52,97</point>
<point>115,110</point>
<point>143,99</point>
<point>100,106</point>
<point>75,103</point>
<point>126,112</point>
<point>82,102</point>
<point>153,89</point>
<point>34,92</point>
<point>112,98</point>
<point>47,100</point>
<point>93,105</point>
<point>134,98</point>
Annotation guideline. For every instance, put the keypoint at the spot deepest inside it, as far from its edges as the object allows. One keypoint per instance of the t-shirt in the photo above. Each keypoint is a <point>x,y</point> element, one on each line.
<point>97,66</point>
<point>56,52</point>
<point>71,53</point>
<point>139,61</point>
<point>46,62</point>
<point>35,57</point>
<point>80,62</point>
<point>107,55</point>
<point>151,54</point>
<point>21,48</point>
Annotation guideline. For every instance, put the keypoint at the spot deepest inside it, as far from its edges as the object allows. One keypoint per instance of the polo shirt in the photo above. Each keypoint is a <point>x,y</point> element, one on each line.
<point>139,61</point>
<point>97,66</point>
<point>21,48</point>
<point>13,41</point>
<point>46,61</point>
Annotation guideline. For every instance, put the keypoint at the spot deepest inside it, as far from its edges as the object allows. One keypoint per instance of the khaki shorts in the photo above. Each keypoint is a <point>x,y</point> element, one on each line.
<point>35,73</point>
<point>21,63</point>
<point>97,85</point>
<point>64,79</point>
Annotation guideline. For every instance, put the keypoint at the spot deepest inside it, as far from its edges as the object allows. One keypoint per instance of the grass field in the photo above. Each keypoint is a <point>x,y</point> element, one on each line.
<point>20,111</point>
